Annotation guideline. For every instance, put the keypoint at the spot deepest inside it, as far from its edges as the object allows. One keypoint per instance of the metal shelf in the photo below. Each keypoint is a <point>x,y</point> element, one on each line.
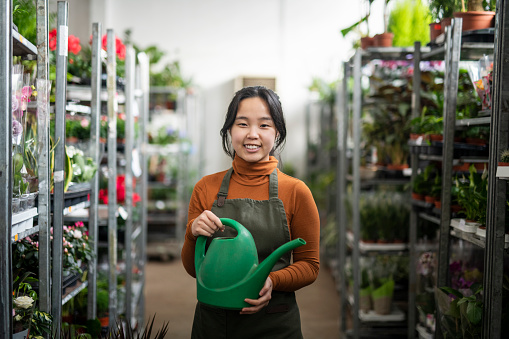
<point>22,47</point>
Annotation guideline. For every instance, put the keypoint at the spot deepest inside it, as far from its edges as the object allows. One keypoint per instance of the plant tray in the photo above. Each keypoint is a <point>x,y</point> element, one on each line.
<point>462,225</point>
<point>371,316</point>
<point>503,172</point>
<point>23,221</point>
<point>74,197</point>
<point>481,233</point>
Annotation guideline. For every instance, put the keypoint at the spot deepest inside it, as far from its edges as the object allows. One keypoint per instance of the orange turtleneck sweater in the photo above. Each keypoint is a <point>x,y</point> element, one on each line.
<point>251,180</point>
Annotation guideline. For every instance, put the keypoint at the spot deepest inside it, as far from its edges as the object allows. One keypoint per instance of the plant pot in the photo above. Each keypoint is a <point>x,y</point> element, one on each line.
<point>474,20</point>
<point>417,196</point>
<point>476,141</point>
<point>436,137</point>
<point>429,199</point>
<point>435,29</point>
<point>105,321</point>
<point>444,23</point>
<point>395,167</point>
<point>382,305</point>
<point>367,42</point>
<point>500,163</point>
<point>384,39</point>
<point>20,335</point>
<point>438,204</point>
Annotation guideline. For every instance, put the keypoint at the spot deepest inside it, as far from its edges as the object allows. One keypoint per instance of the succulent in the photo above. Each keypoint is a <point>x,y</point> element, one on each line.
<point>504,156</point>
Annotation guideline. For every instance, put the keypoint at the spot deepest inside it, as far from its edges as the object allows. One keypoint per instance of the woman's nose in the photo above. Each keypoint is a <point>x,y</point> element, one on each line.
<point>253,133</point>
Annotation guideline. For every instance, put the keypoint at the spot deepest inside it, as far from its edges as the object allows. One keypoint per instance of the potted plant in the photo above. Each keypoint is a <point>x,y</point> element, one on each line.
<point>366,40</point>
<point>461,314</point>
<point>442,11</point>
<point>473,196</point>
<point>475,16</point>
<point>504,158</point>
<point>382,284</point>
<point>385,39</point>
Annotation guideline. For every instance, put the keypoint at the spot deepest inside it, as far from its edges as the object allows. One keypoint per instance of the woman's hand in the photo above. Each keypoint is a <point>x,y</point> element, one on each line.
<point>258,304</point>
<point>207,223</point>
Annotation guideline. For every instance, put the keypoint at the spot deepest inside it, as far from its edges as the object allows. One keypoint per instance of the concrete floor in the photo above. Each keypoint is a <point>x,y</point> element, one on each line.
<point>170,295</point>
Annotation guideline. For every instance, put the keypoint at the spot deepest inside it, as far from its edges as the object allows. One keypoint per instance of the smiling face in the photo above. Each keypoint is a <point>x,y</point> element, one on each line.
<point>253,133</point>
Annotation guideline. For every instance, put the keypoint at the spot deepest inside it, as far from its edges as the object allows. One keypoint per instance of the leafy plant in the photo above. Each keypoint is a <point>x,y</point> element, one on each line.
<point>464,316</point>
<point>441,9</point>
<point>473,195</point>
<point>409,21</point>
<point>504,156</point>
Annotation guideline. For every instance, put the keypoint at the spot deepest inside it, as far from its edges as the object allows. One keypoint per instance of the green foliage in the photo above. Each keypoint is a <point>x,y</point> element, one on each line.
<point>463,318</point>
<point>326,91</point>
<point>473,195</point>
<point>409,21</point>
<point>440,9</point>
<point>25,17</point>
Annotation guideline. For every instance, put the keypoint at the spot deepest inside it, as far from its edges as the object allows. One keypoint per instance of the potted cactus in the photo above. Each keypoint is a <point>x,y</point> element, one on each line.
<point>504,158</point>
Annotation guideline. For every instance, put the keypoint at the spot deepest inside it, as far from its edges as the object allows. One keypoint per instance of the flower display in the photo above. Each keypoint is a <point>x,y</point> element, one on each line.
<point>73,42</point>
<point>103,193</point>
<point>77,247</point>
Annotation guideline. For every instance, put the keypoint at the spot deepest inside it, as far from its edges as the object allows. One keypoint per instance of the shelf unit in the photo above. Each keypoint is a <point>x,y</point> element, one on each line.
<point>396,323</point>
<point>492,245</point>
<point>20,225</point>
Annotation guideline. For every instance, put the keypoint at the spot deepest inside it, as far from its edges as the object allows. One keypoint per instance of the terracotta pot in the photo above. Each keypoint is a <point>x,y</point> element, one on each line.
<point>444,23</point>
<point>474,20</point>
<point>384,39</point>
<point>500,163</point>
<point>436,137</point>
<point>481,166</point>
<point>397,167</point>
<point>367,42</point>
<point>438,204</point>
<point>71,140</point>
<point>415,136</point>
<point>429,199</point>
<point>105,321</point>
<point>476,141</point>
<point>435,29</point>
<point>456,208</point>
<point>417,196</point>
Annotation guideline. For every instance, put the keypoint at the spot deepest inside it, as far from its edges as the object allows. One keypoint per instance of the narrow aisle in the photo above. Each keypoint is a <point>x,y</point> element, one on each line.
<point>170,295</point>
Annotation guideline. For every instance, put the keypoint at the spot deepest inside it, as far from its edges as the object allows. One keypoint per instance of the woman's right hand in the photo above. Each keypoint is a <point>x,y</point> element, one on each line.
<point>206,224</point>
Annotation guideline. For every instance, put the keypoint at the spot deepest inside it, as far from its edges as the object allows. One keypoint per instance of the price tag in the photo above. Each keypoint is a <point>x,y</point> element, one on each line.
<point>462,223</point>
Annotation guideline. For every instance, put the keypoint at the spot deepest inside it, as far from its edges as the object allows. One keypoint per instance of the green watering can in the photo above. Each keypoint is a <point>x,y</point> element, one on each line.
<point>230,272</point>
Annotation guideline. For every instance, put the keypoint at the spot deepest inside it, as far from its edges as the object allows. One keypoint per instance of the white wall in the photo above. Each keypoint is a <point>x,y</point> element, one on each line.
<point>218,40</point>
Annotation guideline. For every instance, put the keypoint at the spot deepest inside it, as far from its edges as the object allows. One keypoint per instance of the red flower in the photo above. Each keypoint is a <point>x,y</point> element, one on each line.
<point>52,39</point>
<point>119,46</point>
<point>73,43</point>
<point>103,196</point>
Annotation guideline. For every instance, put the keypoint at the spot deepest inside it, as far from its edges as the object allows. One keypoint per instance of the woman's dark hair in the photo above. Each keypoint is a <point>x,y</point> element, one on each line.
<point>276,112</point>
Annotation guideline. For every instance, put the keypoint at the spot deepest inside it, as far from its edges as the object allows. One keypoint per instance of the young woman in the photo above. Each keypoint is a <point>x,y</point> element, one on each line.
<point>273,206</point>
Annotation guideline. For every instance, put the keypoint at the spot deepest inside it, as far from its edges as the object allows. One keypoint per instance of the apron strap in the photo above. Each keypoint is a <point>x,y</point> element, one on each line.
<point>273,194</point>
<point>223,191</point>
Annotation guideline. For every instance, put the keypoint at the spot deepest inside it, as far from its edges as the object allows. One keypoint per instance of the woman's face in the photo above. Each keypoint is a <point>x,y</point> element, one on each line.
<point>253,133</point>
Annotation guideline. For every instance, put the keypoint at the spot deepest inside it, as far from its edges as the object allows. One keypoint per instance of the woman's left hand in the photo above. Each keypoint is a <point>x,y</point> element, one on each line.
<point>258,304</point>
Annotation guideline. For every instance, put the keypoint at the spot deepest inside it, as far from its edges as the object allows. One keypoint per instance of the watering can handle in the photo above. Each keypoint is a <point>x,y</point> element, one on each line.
<point>201,241</point>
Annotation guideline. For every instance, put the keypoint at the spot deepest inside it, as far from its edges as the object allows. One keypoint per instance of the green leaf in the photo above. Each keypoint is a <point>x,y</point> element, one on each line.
<point>474,313</point>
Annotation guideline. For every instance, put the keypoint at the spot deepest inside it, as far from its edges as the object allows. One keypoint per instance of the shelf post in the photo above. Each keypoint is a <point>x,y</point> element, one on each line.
<point>341,169</point>
<point>356,126</point>
<point>5,170</point>
<point>112,174</point>
<point>414,161</point>
<point>129,138</point>
<point>497,198</point>
<point>452,58</point>
<point>93,228</point>
<point>144,84</point>
<point>59,169</point>
<point>43,170</point>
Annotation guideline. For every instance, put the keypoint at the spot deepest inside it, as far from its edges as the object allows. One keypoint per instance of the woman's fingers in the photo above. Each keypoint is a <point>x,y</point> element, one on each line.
<point>206,224</point>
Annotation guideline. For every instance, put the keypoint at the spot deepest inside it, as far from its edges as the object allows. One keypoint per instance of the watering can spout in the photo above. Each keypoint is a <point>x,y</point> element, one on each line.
<point>266,266</point>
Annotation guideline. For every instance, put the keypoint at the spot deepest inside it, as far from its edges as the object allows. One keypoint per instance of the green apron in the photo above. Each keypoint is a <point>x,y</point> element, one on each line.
<point>266,220</point>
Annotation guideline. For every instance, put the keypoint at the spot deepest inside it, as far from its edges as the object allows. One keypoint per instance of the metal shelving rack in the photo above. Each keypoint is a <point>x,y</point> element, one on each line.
<point>361,327</point>
<point>493,245</point>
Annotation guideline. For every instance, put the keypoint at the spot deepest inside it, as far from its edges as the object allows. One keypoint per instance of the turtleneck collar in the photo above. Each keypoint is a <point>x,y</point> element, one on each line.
<point>253,173</point>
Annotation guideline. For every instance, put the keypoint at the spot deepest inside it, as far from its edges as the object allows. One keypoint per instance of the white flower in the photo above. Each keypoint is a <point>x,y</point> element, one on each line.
<point>18,318</point>
<point>77,234</point>
<point>23,302</point>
